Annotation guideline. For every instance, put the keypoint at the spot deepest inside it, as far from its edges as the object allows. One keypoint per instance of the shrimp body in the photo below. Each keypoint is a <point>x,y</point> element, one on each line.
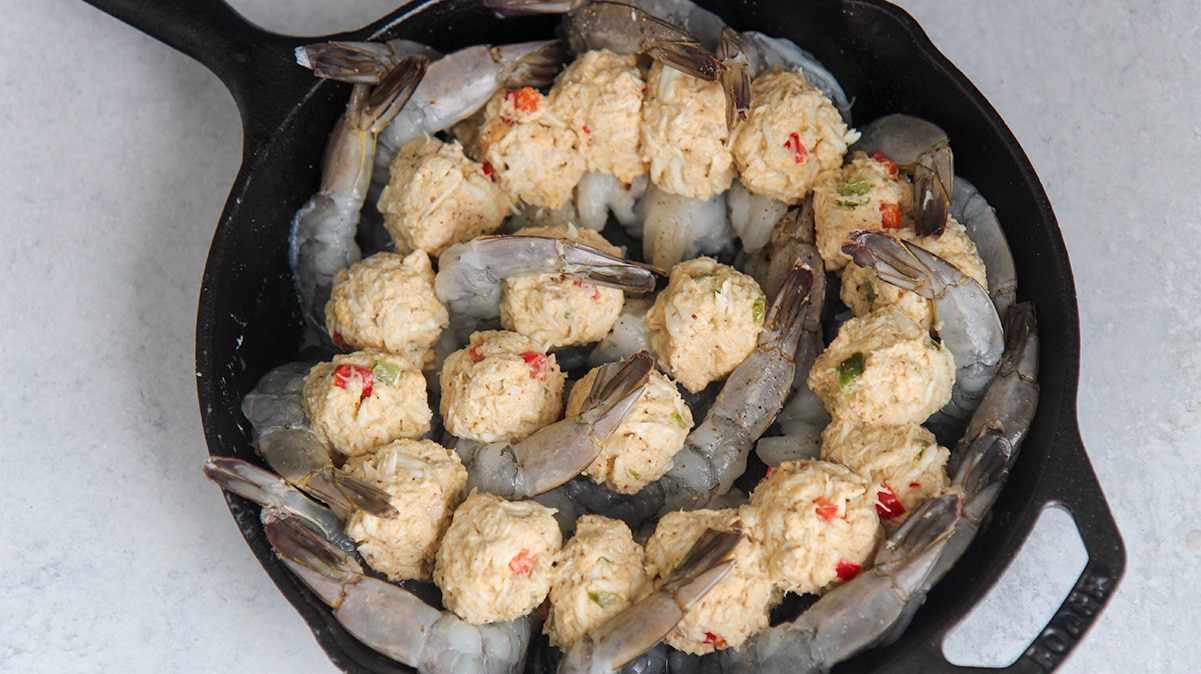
<point>972,210</point>
<point>323,230</point>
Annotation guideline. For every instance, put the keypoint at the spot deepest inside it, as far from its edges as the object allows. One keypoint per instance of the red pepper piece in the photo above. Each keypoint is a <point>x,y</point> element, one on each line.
<point>826,509</point>
<point>522,562</point>
<point>537,363</point>
<point>474,353</point>
<point>711,638</point>
<point>847,570</point>
<point>888,506</point>
<point>799,153</point>
<point>890,215</point>
<point>346,373</point>
<point>893,171</point>
<point>526,99</point>
<point>338,340</point>
<point>583,285</point>
<point>489,171</point>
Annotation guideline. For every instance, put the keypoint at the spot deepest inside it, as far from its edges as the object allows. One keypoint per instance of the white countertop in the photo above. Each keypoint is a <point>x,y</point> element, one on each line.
<point>116,155</point>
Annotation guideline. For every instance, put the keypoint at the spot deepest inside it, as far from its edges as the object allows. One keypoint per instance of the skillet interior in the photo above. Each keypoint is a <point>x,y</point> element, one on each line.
<point>249,319</point>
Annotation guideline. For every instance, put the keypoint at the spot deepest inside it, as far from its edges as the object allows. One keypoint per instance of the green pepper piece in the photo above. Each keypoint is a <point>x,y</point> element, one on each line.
<point>869,293</point>
<point>855,189</point>
<point>759,310</point>
<point>679,419</point>
<point>604,599</point>
<point>385,372</point>
<point>849,371</point>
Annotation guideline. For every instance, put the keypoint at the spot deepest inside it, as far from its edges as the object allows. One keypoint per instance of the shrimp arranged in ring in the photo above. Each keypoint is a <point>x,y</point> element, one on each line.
<point>556,453</point>
<point>322,241</point>
<point>469,274</point>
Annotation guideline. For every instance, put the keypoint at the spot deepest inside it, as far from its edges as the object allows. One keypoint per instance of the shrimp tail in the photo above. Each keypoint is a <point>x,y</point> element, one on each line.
<point>509,8</point>
<point>536,63</point>
<point>390,95</point>
<point>735,76</point>
<point>302,459</point>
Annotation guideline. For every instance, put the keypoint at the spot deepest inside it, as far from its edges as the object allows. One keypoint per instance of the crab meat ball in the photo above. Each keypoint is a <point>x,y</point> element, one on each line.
<point>500,388</point>
<point>863,292</point>
<point>554,310</point>
<point>597,575</point>
<point>437,197</point>
<point>818,522</point>
<point>705,322</point>
<point>496,560</point>
<point>792,133</point>
<point>599,96</point>
<point>530,149</point>
<point>640,450</point>
<point>684,134</point>
<point>426,482</point>
<point>361,400</point>
<point>904,463</point>
<point>883,369</point>
<point>386,302</point>
<point>868,193</point>
<point>739,604</point>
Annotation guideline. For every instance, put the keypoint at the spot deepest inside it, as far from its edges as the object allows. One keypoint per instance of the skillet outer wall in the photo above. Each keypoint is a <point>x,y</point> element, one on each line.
<point>249,321</point>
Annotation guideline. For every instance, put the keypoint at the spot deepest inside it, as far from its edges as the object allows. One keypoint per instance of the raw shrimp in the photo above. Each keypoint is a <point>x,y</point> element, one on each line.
<point>392,620</point>
<point>716,450</point>
<point>628,336</point>
<point>965,318</point>
<point>274,494</point>
<point>556,453</point>
<point>456,86</point>
<point>922,150</point>
<point>639,627</point>
<point>323,230</point>
<point>853,616</point>
<point>287,443</point>
<point>970,209</point>
<point>677,227</point>
<point>469,274</point>
<point>763,52</point>
<point>627,29</point>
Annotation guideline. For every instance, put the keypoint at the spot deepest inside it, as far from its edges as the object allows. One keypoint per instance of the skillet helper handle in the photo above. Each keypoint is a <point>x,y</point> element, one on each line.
<point>1068,482</point>
<point>257,66</point>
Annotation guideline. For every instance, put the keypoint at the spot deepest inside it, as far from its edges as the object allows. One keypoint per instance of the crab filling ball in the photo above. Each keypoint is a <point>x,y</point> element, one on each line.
<point>739,604</point>
<point>818,522</point>
<point>904,463</point>
<point>705,322</point>
<point>883,369</point>
<point>868,193</point>
<point>437,197</point>
<point>792,133</point>
<point>599,96</point>
<point>599,573</point>
<point>640,450</point>
<point>864,293</point>
<point>426,482</point>
<point>554,310</point>
<point>684,134</point>
<point>497,557</point>
<point>529,148</point>
<point>500,388</point>
<point>386,302</point>
<point>365,399</point>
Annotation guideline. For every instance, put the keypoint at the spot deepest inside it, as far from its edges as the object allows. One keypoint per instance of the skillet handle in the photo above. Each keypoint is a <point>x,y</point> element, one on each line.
<point>257,66</point>
<point>1068,482</point>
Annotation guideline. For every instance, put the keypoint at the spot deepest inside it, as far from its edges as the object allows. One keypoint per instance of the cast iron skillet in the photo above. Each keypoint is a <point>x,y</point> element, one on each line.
<point>249,319</point>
